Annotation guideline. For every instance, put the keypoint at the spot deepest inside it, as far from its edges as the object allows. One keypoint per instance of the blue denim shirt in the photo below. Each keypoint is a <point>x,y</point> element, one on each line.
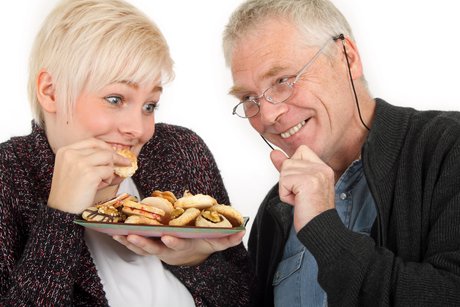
<point>295,282</point>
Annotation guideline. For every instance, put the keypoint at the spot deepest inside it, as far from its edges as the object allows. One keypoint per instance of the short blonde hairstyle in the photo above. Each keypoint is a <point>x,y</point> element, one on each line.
<point>317,21</point>
<point>88,44</point>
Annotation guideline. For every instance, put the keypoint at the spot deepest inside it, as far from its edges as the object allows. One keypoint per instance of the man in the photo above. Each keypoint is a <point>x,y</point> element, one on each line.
<point>367,208</point>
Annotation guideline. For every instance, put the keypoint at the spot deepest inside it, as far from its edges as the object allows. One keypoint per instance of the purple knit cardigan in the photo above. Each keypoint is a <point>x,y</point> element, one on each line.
<point>43,257</point>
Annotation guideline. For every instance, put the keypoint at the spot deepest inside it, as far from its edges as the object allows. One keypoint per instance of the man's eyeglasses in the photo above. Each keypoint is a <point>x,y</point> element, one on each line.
<point>279,92</point>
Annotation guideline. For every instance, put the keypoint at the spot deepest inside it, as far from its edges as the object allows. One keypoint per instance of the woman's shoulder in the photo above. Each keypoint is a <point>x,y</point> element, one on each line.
<point>169,132</point>
<point>22,155</point>
<point>175,159</point>
<point>174,139</point>
<point>12,172</point>
<point>8,154</point>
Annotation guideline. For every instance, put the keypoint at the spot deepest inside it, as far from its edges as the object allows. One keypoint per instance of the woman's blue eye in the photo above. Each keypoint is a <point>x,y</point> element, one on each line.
<point>150,107</point>
<point>114,100</point>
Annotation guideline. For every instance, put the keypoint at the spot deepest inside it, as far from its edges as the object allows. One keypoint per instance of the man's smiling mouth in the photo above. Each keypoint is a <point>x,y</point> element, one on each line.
<point>293,130</point>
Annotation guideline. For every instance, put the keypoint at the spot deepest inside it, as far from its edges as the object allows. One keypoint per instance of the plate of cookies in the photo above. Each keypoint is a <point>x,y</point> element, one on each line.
<point>161,213</point>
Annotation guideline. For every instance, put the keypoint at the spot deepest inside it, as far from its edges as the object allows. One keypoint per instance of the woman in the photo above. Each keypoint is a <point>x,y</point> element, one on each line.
<point>97,72</point>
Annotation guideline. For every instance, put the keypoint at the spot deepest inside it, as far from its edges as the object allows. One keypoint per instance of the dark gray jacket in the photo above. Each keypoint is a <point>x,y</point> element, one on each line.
<point>412,165</point>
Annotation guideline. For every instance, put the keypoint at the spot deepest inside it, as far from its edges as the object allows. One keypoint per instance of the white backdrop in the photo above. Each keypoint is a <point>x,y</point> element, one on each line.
<point>410,50</point>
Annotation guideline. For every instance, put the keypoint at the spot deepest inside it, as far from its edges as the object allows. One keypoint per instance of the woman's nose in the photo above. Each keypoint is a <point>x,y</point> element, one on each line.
<point>132,124</point>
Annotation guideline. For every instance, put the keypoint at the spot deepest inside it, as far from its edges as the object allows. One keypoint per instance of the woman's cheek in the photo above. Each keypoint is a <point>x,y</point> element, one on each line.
<point>149,131</point>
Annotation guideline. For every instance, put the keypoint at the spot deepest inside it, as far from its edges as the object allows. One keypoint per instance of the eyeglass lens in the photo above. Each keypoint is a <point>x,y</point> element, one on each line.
<point>278,93</point>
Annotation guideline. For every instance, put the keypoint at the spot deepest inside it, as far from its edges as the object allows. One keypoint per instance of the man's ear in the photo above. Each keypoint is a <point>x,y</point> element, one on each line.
<point>354,58</point>
<point>46,91</point>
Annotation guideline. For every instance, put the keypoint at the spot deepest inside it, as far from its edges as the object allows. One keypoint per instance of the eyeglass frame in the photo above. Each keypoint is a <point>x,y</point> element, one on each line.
<point>255,100</point>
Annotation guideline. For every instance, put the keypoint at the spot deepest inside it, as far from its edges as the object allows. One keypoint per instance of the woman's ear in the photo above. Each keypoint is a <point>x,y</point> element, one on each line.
<point>46,91</point>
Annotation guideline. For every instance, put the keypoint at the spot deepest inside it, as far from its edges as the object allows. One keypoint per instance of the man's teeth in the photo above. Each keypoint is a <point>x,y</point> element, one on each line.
<point>293,130</point>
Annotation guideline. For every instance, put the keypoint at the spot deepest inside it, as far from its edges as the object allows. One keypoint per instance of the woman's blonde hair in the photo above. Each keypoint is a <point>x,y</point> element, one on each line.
<point>88,44</point>
<point>317,20</point>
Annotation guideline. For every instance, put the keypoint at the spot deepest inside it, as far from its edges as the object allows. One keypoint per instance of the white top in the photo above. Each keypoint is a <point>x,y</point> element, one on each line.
<point>130,279</point>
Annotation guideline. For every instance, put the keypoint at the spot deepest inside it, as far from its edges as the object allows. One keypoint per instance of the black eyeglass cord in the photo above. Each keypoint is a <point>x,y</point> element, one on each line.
<point>342,38</point>
<point>269,145</point>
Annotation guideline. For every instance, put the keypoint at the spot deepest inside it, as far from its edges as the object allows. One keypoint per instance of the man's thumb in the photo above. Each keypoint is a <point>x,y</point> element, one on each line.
<point>278,157</point>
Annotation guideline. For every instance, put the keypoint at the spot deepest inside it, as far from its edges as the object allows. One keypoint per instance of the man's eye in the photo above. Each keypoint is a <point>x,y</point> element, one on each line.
<point>248,98</point>
<point>114,100</point>
<point>150,107</point>
<point>282,80</point>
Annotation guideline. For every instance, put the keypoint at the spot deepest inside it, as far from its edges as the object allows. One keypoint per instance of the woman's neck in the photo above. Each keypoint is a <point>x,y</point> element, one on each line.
<point>106,193</point>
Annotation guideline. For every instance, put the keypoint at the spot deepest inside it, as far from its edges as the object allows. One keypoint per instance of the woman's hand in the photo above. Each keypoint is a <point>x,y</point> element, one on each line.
<point>80,170</point>
<point>177,251</point>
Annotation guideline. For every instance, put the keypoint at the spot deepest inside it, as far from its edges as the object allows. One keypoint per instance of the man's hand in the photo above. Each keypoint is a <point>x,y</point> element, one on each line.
<point>306,182</point>
<point>177,251</point>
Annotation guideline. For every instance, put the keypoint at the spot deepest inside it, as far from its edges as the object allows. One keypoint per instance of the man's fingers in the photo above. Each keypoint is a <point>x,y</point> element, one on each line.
<point>306,154</point>
<point>303,153</point>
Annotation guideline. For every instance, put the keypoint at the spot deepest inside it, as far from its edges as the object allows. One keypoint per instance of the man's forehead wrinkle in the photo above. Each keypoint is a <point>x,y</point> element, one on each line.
<point>268,59</point>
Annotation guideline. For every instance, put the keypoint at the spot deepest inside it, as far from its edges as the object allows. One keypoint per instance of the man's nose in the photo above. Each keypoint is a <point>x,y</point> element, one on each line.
<point>270,112</point>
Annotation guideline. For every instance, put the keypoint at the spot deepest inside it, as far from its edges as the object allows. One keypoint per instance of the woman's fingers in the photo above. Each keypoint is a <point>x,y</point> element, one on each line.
<point>81,169</point>
<point>179,251</point>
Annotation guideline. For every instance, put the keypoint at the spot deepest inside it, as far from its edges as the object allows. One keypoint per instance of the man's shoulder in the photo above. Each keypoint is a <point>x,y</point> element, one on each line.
<point>423,116</point>
<point>411,121</point>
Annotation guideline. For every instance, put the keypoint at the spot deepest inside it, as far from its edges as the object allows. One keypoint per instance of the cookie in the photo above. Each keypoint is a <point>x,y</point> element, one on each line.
<point>134,208</point>
<point>199,201</point>
<point>138,219</point>
<point>168,195</point>
<point>117,201</point>
<point>230,213</point>
<point>160,203</point>
<point>186,218</point>
<point>126,171</point>
<point>102,213</point>
<point>212,219</point>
